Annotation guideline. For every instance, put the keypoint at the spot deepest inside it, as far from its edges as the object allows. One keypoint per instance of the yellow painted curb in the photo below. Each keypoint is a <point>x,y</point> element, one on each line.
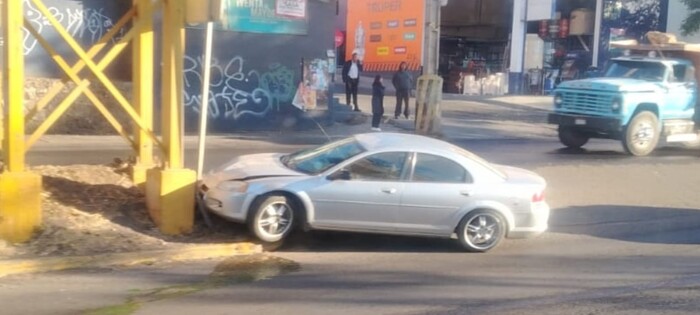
<point>192,252</point>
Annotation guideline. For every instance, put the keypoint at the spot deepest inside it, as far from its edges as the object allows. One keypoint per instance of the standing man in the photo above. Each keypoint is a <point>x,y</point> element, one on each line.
<point>403,83</point>
<point>351,78</point>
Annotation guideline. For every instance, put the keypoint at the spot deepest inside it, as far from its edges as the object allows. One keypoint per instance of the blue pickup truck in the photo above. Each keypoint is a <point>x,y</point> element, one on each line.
<point>640,100</point>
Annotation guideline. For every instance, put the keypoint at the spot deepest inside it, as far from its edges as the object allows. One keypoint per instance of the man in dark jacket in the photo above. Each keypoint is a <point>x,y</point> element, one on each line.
<point>403,83</point>
<point>351,78</point>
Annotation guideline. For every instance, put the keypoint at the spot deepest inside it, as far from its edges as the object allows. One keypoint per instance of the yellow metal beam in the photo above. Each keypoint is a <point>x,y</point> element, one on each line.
<point>13,80</point>
<point>173,59</point>
<point>20,191</point>
<point>81,86</point>
<point>80,65</point>
<point>143,83</point>
<point>170,191</point>
<point>92,66</point>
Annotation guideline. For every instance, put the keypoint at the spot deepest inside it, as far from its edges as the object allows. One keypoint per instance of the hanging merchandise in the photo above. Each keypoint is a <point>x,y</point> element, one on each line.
<point>544,27</point>
<point>554,29</point>
<point>563,28</point>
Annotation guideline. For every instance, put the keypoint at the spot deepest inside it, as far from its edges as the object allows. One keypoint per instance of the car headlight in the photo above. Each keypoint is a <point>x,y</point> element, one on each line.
<point>558,100</point>
<point>233,185</point>
<point>616,105</point>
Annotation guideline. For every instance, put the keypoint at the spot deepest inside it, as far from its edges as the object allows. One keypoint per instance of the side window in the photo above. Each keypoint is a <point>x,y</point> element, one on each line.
<point>381,166</point>
<point>679,74</point>
<point>437,169</point>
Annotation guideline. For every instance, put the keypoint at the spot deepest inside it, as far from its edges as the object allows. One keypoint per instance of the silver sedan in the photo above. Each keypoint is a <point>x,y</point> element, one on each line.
<point>380,183</point>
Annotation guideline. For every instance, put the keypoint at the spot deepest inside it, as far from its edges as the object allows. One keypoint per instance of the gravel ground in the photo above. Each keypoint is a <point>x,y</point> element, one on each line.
<point>92,209</point>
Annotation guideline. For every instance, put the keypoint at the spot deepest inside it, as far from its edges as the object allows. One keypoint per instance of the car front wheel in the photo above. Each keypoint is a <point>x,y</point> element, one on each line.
<point>480,231</point>
<point>272,219</point>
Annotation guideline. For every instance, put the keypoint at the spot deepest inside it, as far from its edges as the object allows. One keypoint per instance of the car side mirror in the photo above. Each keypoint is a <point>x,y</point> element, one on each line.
<point>340,175</point>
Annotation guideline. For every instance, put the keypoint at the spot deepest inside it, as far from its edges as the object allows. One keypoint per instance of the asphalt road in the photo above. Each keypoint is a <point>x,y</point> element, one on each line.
<point>623,239</point>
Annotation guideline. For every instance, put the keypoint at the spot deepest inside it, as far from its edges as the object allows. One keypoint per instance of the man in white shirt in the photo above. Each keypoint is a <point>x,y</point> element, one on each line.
<point>351,78</point>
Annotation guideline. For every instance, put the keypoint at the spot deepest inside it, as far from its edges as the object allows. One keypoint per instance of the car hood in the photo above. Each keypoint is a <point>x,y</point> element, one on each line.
<point>253,166</point>
<point>612,85</point>
<point>521,176</point>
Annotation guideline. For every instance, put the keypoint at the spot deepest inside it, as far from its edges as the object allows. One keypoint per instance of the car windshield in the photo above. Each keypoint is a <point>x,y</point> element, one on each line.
<point>319,159</point>
<point>641,70</point>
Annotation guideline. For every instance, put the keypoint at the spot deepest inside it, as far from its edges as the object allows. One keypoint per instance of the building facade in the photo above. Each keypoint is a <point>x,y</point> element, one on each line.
<point>575,35</point>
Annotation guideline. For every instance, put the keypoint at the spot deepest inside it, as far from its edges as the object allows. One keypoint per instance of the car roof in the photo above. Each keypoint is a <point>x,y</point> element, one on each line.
<point>400,142</point>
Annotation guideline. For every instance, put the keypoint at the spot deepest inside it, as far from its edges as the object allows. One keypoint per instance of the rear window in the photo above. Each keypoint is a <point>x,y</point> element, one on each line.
<point>480,161</point>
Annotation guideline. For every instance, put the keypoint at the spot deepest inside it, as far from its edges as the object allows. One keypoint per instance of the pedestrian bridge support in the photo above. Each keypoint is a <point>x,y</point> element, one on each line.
<point>169,187</point>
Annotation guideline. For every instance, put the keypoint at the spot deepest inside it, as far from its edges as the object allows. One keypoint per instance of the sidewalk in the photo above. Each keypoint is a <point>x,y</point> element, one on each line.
<point>463,117</point>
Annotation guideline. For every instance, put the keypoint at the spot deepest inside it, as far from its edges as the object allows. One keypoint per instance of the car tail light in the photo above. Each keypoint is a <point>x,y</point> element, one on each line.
<point>538,197</point>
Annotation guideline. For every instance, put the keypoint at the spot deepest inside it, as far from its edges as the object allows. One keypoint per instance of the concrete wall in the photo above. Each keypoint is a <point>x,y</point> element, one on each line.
<point>87,21</point>
<point>255,76</point>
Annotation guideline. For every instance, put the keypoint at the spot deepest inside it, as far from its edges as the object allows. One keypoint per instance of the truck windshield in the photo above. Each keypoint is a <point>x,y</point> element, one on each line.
<point>641,70</point>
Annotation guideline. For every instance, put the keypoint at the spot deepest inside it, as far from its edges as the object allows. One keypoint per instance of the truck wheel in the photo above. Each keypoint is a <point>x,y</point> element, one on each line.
<point>572,138</point>
<point>641,134</point>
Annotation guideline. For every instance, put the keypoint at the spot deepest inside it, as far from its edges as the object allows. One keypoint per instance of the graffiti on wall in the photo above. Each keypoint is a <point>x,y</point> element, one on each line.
<point>86,25</point>
<point>237,90</point>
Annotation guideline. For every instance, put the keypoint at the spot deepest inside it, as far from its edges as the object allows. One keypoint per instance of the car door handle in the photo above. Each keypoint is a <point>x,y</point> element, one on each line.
<point>466,193</point>
<point>389,190</point>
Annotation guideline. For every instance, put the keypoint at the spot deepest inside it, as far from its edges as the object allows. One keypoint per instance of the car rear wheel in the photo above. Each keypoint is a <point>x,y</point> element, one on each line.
<point>641,134</point>
<point>272,219</point>
<point>480,231</point>
<point>572,138</point>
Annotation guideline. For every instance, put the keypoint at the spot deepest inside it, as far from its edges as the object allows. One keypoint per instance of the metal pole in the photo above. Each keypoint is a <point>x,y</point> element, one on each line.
<point>596,36</point>
<point>524,85</point>
<point>204,110</point>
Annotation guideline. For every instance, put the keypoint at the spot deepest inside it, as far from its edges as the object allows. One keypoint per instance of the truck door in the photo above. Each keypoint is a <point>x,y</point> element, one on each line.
<point>681,93</point>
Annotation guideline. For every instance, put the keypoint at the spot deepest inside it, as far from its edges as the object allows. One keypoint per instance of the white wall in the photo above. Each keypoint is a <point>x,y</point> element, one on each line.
<point>677,12</point>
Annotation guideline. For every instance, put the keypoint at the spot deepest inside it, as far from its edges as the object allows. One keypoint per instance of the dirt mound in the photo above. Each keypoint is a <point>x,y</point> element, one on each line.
<point>97,209</point>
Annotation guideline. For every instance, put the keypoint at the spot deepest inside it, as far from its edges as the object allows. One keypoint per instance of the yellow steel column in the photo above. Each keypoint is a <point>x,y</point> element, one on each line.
<point>143,57</point>
<point>170,191</point>
<point>20,191</point>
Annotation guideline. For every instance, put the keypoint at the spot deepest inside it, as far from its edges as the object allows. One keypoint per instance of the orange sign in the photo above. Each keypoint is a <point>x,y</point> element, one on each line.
<point>386,32</point>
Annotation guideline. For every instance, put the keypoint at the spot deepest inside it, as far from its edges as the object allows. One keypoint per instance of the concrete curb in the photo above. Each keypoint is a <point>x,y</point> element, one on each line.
<point>187,253</point>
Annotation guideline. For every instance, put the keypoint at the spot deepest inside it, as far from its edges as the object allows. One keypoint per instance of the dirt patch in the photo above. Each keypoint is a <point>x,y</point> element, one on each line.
<point>82,118</point>
<point>97,209</point>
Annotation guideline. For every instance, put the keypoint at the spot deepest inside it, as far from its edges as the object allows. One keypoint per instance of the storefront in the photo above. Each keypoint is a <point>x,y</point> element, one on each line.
<point>577,38</point>
<point>473,43</point>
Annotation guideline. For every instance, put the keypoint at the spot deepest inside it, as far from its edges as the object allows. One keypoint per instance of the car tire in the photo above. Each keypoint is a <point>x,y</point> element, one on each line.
<point>272,219</point>
<point>481,230</point>
<point>572,138</point>
<point>641,134</point>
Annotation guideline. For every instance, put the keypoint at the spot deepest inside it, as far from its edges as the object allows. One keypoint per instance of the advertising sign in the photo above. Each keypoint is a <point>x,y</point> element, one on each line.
<point>385,33</point>
<point>291,8</point>
<point>540,10</point>
<point>264,16</point>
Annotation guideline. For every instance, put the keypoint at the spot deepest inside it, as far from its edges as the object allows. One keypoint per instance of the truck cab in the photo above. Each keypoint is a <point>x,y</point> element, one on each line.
<point>640,101</point>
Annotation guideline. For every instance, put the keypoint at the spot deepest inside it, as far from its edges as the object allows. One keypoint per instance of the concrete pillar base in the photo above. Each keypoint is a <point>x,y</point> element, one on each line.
<point>20,205</point>
<point>139,175</point>
<point>170,199</point>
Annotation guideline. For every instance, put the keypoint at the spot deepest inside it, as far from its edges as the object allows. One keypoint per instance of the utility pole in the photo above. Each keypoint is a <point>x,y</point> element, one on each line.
<point>517,47</point>
<point>431,54</point>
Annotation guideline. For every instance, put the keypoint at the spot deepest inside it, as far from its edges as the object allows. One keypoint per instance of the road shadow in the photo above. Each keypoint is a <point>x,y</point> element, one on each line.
<point>584,152</point>
<point>326,241</point>
<point>655,225</point>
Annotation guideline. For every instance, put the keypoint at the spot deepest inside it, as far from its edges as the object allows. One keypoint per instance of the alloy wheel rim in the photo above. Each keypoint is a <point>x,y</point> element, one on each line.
<point>275,220</point>
<point>482,231</point>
